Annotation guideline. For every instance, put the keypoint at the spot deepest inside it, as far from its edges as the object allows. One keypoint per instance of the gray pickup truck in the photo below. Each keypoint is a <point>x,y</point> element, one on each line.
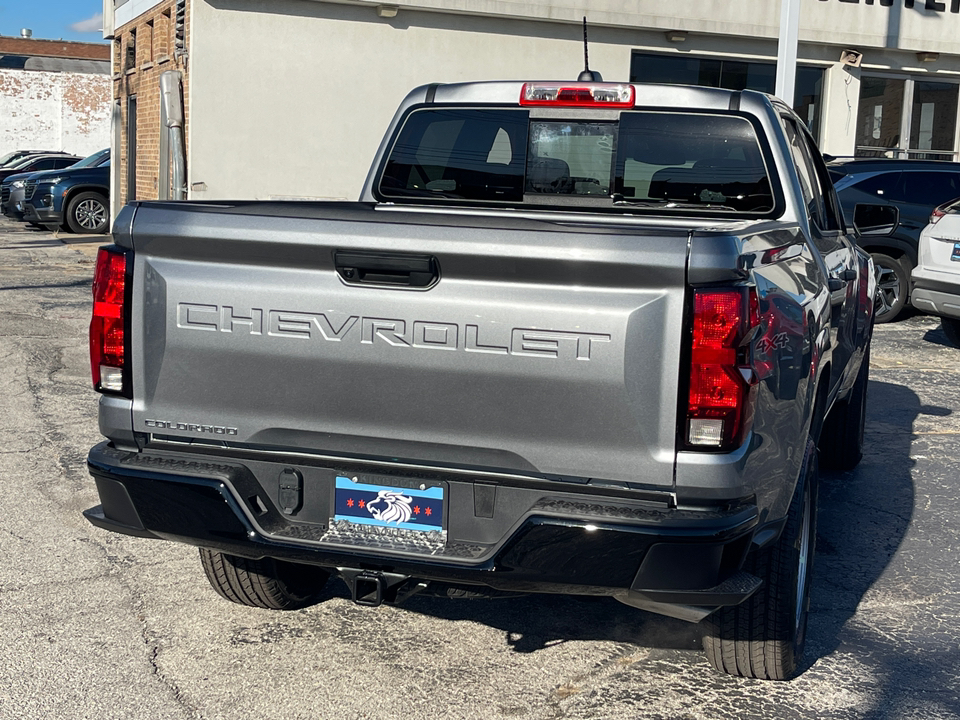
<point>582,338</point>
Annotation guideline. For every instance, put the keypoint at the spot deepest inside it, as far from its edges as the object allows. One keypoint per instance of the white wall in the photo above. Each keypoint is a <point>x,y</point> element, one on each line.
<point>290,98</point>
<point>841,93</point>
<point>293,102</point>
<point>54,111</point>
<point>126,10</point>
<point>850,22</point>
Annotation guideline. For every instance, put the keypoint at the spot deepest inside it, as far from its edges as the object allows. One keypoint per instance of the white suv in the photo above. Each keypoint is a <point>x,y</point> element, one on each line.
<point>935,281</point>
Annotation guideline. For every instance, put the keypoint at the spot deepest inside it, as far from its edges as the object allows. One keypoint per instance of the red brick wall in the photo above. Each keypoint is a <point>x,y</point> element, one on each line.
<point>54,48</point>
<point>155,50</point>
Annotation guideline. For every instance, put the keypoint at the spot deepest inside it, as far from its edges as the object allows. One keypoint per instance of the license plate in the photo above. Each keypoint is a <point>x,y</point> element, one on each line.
<point>364,503</point>
<point>955,256</point>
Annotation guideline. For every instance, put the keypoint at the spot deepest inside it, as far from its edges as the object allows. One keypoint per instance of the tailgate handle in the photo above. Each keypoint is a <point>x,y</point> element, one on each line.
<point>387,269</point>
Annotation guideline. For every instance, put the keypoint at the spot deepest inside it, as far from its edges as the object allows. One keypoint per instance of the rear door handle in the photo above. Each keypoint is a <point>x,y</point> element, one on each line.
<point>387,269</point>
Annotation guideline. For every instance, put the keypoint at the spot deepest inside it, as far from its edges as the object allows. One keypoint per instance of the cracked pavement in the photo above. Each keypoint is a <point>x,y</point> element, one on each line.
<point>99,626</point>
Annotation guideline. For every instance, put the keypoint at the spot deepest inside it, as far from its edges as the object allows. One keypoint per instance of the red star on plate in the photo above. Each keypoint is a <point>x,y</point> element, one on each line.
<point>350,502</point>
<point>416,509</point>
<point>361,504</point>
<point>428,511</point>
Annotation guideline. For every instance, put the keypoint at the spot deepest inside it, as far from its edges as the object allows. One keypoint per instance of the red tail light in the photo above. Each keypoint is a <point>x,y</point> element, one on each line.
<point>720,403</point>
<point>107,328</point>
<point>936,215</point>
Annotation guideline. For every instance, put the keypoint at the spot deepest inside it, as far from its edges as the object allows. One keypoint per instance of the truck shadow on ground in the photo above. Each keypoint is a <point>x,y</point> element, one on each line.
<point>864,516</point>
<point>886,627</point>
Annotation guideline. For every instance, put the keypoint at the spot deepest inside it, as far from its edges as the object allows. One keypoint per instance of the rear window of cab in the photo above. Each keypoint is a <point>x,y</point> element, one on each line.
<point>698,161</point>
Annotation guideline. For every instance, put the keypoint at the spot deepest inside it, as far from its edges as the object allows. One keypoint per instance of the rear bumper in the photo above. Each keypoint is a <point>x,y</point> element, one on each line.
<point>560,542</point>
<point>936,293</point>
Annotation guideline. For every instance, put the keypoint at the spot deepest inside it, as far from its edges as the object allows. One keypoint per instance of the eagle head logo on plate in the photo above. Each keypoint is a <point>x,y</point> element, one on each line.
<point>390,507</point>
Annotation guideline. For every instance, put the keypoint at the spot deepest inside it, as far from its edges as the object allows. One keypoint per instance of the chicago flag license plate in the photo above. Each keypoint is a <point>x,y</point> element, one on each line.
<point>385,506</point>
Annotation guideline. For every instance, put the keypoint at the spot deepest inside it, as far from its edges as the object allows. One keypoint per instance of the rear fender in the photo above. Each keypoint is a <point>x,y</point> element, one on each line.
<point>895,247</point>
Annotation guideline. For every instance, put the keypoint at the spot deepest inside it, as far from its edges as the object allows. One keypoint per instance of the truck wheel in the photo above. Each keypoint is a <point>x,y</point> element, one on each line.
<point>267,583</point>
<point>764,636</point>
<point>88,213</point>
<point>892,283</point>
<point>951,328</point>
<point>841,440</point>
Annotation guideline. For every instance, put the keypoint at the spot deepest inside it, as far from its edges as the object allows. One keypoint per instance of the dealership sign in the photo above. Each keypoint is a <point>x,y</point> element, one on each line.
<point>935,5</point>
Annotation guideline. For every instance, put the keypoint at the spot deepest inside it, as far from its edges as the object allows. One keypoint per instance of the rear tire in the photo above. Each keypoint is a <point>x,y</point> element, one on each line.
<point>893,281</point>
<point>841,440</point>
<point>951,328</point>
<point>267,583</point>
<point>764,636</point>
<point>88,213</point>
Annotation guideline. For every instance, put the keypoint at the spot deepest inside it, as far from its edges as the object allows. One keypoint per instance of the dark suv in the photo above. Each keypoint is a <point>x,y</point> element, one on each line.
<point>77,199</point>
<point>36,163</point>
<point>889,202</point>
<point>17,156</point>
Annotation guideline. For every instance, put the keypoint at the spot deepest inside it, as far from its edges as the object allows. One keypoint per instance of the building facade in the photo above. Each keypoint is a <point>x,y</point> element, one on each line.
<point>149,41</point>
<point>54,95</point>
<point>289,98</point>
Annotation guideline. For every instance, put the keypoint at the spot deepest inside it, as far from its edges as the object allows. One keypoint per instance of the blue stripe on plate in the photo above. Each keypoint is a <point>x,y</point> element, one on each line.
<point>344,483</point>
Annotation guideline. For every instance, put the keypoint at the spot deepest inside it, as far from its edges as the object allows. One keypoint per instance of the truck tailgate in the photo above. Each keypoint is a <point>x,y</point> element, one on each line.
<point>544,348</point>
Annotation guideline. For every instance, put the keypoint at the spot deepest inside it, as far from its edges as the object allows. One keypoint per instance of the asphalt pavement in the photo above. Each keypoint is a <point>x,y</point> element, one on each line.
<point>97,625</point>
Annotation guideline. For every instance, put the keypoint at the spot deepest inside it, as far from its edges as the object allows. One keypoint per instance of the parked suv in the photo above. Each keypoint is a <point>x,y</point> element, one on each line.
<point>935,281</point>
<point>77,199</point>
<point>889,202</point>
<point>12,190</point>
<point>35,163</point>
<point>16,156</point>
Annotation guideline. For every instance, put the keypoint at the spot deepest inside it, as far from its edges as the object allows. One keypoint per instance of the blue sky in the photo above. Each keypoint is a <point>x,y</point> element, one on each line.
<point>53,19</point>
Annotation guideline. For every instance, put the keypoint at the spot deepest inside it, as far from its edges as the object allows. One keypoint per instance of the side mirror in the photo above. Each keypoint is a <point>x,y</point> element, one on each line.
<point>875,219</point>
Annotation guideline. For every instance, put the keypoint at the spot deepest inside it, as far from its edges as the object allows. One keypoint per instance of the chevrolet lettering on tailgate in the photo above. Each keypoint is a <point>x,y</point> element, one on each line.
<point>398,333</point>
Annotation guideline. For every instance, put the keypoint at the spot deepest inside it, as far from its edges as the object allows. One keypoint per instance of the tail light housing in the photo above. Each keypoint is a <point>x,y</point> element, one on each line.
<point>589,95</point>
<point>937,213</point>
<point>109,329</point>
<point>722,381</point>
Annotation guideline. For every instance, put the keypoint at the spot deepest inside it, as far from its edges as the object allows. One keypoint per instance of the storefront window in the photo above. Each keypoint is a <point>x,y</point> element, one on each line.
<point>933,120</point>
<point>732,75</point>
<point>880,117</point>
<point>931,123</point>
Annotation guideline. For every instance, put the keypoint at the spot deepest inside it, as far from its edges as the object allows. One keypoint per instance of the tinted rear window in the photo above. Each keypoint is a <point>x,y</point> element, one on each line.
<point>664,160</point>
<point>693,160</point>
<point>928,188</point>
<point>459,154</point>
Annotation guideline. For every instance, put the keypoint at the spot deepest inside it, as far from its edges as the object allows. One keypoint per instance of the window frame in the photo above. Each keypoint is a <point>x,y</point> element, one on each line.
<point>799,152</point>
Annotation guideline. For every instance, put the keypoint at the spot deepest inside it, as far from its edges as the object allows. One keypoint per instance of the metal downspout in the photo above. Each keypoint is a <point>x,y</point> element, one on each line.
<point>172,114</point>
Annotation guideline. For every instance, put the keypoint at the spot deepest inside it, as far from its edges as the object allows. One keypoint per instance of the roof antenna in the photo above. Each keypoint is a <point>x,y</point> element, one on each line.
<point>587,75</point>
